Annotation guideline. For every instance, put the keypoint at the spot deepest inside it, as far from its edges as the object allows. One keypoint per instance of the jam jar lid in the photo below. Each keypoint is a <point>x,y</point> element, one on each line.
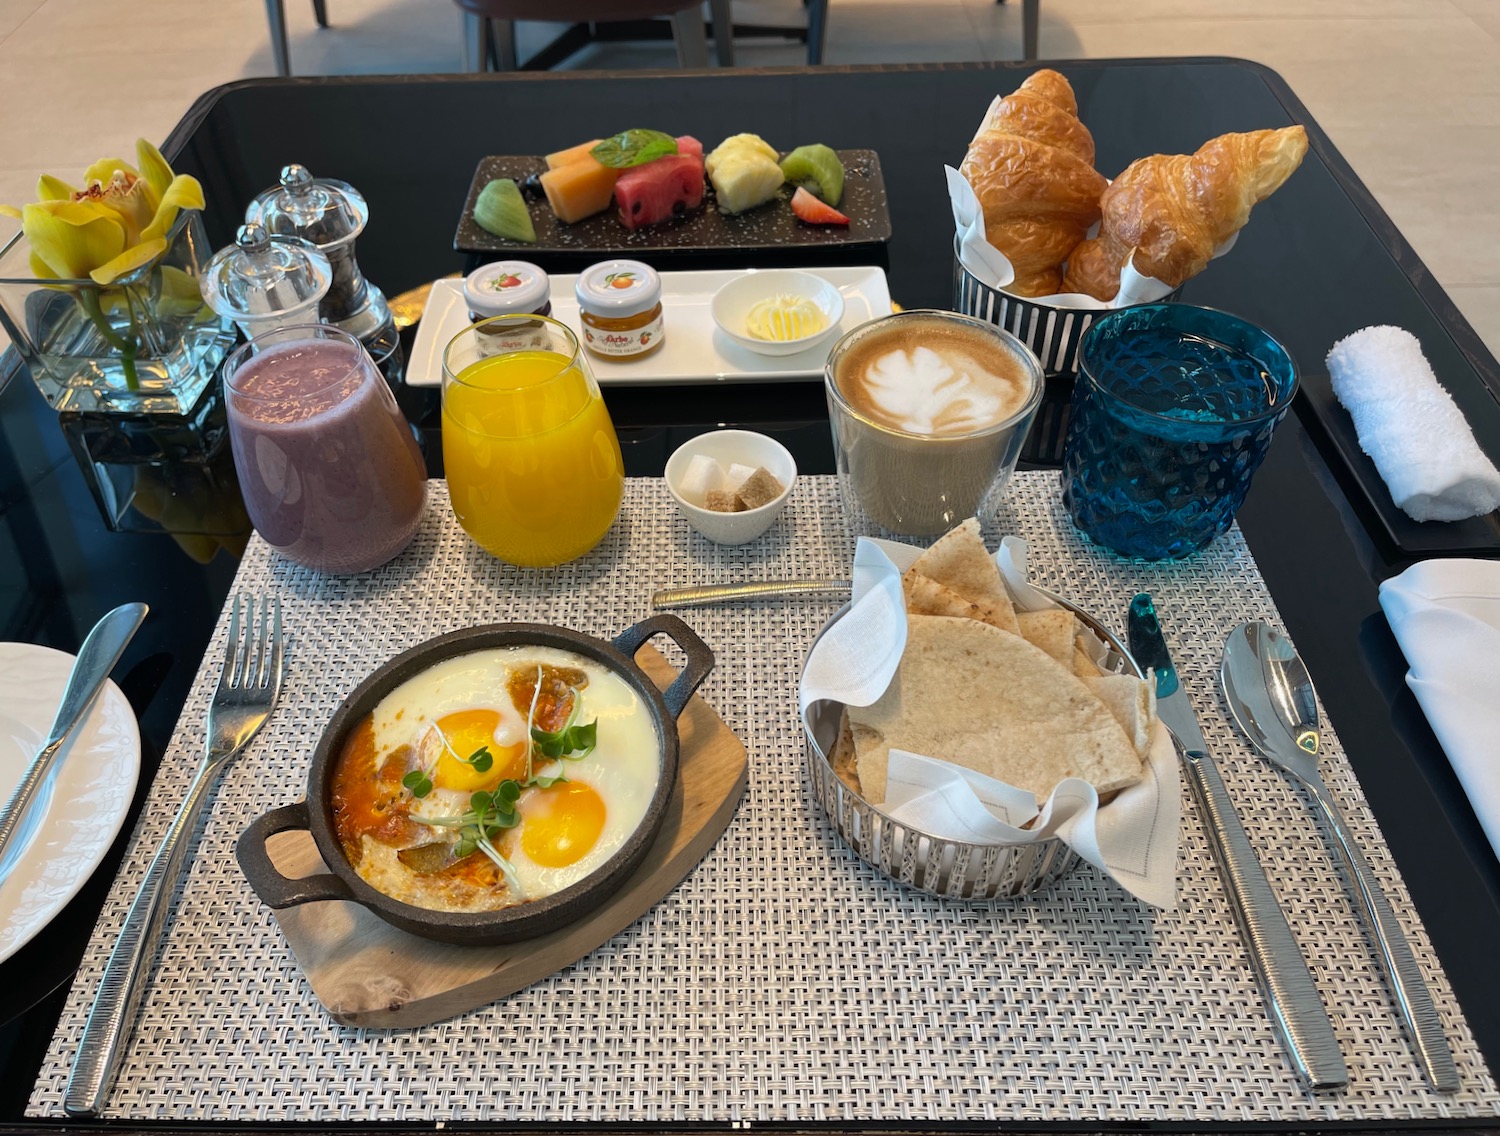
<point>261,275</point>
<point>614,289</point>
<point>327,212</point>
<point>507,287</point>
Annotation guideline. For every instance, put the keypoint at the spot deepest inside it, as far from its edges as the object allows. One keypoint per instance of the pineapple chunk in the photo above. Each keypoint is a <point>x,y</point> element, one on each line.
<point>744,172</point>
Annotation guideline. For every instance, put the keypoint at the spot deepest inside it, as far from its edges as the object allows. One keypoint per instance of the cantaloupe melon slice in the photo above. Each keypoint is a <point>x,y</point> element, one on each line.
<point>570,155</point>
<point>579,189</point>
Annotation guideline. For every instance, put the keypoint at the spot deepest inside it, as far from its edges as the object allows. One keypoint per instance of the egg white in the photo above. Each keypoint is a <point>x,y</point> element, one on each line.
<point>622,769</point>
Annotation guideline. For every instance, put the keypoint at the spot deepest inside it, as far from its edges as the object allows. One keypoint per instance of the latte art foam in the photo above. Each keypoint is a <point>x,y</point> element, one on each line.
<point>933,380</point>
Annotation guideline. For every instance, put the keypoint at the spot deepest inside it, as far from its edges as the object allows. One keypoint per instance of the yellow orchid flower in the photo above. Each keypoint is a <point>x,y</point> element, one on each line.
<point>105,233</point>
<point>117,223</point>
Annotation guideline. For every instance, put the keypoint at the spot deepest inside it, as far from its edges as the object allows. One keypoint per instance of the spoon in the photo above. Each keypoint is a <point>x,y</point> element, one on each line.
<point>1271,697</point>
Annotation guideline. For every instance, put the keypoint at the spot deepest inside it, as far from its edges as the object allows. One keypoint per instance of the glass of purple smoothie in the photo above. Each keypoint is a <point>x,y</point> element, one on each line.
<point>331,473</point>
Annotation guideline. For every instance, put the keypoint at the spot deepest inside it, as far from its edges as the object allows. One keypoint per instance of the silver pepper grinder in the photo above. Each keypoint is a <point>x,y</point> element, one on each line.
<point>331,214</point>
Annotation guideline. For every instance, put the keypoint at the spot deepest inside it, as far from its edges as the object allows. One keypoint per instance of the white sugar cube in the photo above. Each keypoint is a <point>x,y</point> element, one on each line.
<point>738,475</point>
<point>703,474</point>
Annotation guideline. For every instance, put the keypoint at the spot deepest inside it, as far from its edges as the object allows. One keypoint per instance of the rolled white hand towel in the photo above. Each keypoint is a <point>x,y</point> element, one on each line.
<point>1411,428</point>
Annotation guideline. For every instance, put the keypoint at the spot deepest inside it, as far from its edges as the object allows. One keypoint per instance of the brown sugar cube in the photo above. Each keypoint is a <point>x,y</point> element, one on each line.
<point>724,501</point>
<point>760,488</point>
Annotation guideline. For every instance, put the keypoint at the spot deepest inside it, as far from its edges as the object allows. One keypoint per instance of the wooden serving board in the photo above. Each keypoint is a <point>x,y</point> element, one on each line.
<point>367,973</point>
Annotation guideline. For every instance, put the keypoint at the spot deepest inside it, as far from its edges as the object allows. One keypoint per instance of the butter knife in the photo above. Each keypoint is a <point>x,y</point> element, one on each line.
<point>1292,999</point>
<point>760,589</point>
<point>96,658</point>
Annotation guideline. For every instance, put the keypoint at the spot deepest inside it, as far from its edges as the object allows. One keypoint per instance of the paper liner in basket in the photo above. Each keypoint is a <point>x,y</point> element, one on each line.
<point>990,266</point>
<point>1133,839</point>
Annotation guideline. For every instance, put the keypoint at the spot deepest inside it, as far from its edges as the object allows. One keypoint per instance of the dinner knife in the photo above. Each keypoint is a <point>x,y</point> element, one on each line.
<point>96,658</point>
<point>1291,997</point>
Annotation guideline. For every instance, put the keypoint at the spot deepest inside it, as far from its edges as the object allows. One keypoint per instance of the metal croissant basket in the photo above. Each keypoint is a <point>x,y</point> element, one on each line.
<point>1054,336</point>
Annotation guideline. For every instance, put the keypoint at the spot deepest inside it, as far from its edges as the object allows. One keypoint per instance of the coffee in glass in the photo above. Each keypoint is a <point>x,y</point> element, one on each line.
<point>929,410</point>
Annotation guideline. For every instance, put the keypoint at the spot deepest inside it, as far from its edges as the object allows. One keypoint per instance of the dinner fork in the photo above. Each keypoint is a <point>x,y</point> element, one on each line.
<point>249,681</point>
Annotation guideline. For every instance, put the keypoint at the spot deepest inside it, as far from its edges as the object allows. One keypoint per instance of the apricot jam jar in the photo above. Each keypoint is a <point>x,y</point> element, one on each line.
<point>619,304</point>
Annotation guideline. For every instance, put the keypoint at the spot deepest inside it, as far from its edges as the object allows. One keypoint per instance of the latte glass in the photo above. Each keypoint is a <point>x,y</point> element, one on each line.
<point>925,448</point>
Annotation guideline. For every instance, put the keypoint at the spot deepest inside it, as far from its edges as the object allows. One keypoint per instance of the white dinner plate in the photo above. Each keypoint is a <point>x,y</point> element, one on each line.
<point>81,806</point>
<point>693,349</point>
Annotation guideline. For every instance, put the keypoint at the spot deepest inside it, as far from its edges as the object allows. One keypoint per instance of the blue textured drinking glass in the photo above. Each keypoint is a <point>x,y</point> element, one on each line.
<point>1171,416</point>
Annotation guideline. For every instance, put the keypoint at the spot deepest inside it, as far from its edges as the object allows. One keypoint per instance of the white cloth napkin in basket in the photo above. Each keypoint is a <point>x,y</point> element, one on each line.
<point>1133,839</point>
<point>1446,616</point>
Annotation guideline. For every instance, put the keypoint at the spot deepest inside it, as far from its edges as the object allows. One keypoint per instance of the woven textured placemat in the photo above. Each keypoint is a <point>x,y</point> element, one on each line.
<point>785,980</point>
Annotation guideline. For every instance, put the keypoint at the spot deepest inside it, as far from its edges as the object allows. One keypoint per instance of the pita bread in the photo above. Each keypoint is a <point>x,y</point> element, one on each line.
<point>976,696</point>
<point>928,597</point>
<point>1132,701</point>
<point>1052,630</point>
<point>960,562</point>
<point>1083,665</point>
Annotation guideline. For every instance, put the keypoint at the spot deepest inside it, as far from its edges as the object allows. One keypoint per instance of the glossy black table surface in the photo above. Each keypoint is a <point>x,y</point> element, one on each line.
<point>1319,260</point>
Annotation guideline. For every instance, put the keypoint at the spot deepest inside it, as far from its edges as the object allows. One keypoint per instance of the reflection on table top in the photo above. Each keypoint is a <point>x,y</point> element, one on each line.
<point>1317,261</point>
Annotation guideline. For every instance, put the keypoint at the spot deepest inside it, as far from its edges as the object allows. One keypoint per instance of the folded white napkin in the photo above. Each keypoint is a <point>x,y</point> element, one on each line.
<point>989,265</point>
<point>1132,839</point>
<point>1410,426</point>
<point>1446,616</point>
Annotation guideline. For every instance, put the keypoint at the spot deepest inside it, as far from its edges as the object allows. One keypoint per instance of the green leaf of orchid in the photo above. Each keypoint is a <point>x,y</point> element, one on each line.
<point>73,237</point>
<point>180,294</point>
<point>154,168</point>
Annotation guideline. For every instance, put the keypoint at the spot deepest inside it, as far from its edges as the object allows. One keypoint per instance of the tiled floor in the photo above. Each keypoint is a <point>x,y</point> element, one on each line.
<point>1409,90</point>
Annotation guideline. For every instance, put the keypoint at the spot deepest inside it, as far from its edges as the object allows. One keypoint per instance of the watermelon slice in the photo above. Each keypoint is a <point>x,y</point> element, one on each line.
<point>663,189</point>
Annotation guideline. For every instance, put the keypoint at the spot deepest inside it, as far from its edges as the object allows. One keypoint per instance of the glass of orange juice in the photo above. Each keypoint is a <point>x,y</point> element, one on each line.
<point>531,456</point>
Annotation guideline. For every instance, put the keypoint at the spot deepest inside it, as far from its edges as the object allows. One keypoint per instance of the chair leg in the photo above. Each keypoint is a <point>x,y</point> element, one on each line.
<point>320,12</point>
<point>502,39</point>
<point>692,41</point>
<point>276,18</point>
<point>817,30</point>
<point>723,22</point>
<point>1031,13</point>
<point>475,42</point>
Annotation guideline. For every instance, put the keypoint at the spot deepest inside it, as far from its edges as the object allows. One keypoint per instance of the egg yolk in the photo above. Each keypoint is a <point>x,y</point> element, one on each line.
<point>467,731</point>
<point>561,823</point>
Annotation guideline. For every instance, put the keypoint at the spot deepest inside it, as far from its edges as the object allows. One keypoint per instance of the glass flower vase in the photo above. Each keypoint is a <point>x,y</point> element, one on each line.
<point>144,344</point>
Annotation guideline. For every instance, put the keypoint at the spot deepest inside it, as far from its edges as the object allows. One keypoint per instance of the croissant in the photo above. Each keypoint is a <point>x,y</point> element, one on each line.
<point>1173,210</point>
<point>1032,167</point>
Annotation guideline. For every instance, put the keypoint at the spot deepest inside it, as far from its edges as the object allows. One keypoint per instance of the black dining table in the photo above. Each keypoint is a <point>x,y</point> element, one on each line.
<point>1318,261</point>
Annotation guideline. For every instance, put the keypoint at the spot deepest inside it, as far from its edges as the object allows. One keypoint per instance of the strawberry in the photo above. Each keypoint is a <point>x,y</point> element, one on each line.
<point>809,209</point>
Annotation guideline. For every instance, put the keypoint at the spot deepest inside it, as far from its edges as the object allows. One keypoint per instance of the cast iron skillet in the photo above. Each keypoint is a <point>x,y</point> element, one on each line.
<point>523,920</point>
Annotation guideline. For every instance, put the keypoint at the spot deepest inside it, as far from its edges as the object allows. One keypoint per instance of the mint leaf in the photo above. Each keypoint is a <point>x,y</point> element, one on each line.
<point>633,148</point>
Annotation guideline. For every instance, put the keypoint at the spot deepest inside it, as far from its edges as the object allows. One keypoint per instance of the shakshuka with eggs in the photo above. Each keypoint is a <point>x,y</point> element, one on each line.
<point>445,796</point>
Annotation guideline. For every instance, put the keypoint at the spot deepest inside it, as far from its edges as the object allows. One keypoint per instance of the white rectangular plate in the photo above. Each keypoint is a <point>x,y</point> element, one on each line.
<point>693,350</point>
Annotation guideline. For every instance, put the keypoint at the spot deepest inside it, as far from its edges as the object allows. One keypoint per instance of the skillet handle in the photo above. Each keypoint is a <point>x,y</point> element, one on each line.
<point>276,890</point>
<point>700,659</point>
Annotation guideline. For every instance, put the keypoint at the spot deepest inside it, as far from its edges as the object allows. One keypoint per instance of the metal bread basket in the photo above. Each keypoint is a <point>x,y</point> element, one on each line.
<point>951,868</point>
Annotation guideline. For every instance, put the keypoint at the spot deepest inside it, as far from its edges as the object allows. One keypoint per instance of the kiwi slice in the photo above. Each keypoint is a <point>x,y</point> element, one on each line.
<point>501,210</point>
<point>817,169</point>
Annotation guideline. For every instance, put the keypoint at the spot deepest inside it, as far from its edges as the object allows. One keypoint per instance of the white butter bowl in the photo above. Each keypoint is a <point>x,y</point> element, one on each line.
<point>731,447</point>
<point>732,303</point>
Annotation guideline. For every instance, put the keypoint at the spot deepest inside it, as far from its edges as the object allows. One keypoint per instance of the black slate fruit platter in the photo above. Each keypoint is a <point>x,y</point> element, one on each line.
<point>704,229</point>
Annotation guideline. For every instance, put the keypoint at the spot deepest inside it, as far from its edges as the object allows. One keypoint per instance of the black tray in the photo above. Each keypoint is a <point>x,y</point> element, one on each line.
<point>1362,481</point>
<point>705,230</point>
